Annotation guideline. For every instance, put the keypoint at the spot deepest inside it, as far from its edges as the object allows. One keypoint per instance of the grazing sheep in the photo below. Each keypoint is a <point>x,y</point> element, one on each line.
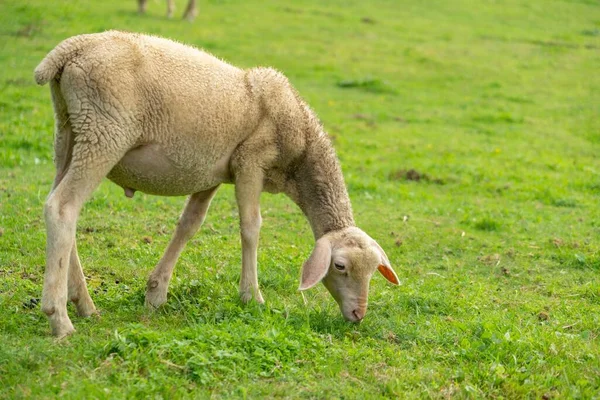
<point>191,11</point>
<point>167,119</point>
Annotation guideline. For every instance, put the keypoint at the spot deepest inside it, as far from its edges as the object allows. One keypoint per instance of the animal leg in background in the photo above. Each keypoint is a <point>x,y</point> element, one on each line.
<point>191,11</point>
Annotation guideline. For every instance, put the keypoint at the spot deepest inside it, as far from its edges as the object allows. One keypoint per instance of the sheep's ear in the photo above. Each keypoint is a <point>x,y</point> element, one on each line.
<point>385,266</point>
<point>317,265</point>
<point>389,274</point>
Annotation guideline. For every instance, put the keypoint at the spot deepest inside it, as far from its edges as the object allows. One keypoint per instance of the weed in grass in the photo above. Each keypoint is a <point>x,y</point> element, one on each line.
<point>413,175</point>
<point>487,224</point>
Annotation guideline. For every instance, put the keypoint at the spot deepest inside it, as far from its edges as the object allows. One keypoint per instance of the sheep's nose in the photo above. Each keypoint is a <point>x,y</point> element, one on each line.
<point>359,314</point>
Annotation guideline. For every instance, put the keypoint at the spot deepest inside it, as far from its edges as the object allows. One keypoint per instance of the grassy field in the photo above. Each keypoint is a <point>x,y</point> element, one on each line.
<point>469,135</point>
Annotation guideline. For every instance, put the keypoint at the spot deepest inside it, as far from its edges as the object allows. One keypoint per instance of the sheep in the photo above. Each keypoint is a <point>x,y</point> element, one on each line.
<point>190,11</point>
<point>167,119</point>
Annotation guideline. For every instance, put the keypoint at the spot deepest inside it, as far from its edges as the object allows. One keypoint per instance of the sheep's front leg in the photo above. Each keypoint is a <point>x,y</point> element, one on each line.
<point>190,221</point>
<point>248,187</point>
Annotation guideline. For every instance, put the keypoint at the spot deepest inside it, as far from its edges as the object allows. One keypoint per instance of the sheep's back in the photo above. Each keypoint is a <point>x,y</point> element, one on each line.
<point>165,86</point>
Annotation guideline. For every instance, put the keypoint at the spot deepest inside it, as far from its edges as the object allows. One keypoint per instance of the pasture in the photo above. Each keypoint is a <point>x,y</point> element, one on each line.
<point>469,137</point>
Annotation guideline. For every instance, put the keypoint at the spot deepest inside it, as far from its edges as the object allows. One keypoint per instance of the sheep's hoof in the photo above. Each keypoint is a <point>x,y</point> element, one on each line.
<point>85,308</point>
<point>63,335</point>
<point>247,295</point>
<point>61,329</point>
<point>155,299</point>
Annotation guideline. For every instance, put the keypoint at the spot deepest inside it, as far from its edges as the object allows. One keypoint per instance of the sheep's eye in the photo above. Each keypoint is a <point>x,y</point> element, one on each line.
<point>339,267</point>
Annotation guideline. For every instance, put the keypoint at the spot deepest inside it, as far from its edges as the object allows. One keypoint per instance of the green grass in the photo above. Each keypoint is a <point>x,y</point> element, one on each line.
<point>496,106</point>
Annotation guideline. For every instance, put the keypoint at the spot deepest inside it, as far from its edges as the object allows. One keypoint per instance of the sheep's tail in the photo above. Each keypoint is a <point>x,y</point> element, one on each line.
<point>53,64</point>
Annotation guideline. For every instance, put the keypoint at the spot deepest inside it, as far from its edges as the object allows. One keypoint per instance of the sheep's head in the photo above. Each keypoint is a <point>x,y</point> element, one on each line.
<point>345,261</point>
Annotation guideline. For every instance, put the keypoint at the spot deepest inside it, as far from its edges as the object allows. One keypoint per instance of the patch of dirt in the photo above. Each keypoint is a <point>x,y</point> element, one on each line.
<point>30,276</point>
<point>413,175</point>
<point>29,30</point>
<point>368,84</point>
<point>19,82</point>
<point>397,239</point>
<point>543,316</point>
<point>291,10</point>
<point>391,337</point>
<point>490,259</point>
<point>448,392</point>
<point>369,120</point>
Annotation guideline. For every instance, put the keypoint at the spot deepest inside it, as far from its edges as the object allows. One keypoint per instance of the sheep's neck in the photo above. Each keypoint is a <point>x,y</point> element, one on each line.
<point>320,190</point>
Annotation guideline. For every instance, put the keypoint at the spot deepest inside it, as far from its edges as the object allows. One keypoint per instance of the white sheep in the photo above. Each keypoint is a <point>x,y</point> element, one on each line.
<point>190,11</point>
<point>167,119</point>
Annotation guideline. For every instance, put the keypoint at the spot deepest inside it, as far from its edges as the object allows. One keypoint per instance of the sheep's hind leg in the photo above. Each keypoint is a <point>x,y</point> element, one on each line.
<point>77,289</point>
<point>63,150</point>
<point>82,176</point>
<point>61,211</point>
<point>191,219</point>
<point>248,187</point>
